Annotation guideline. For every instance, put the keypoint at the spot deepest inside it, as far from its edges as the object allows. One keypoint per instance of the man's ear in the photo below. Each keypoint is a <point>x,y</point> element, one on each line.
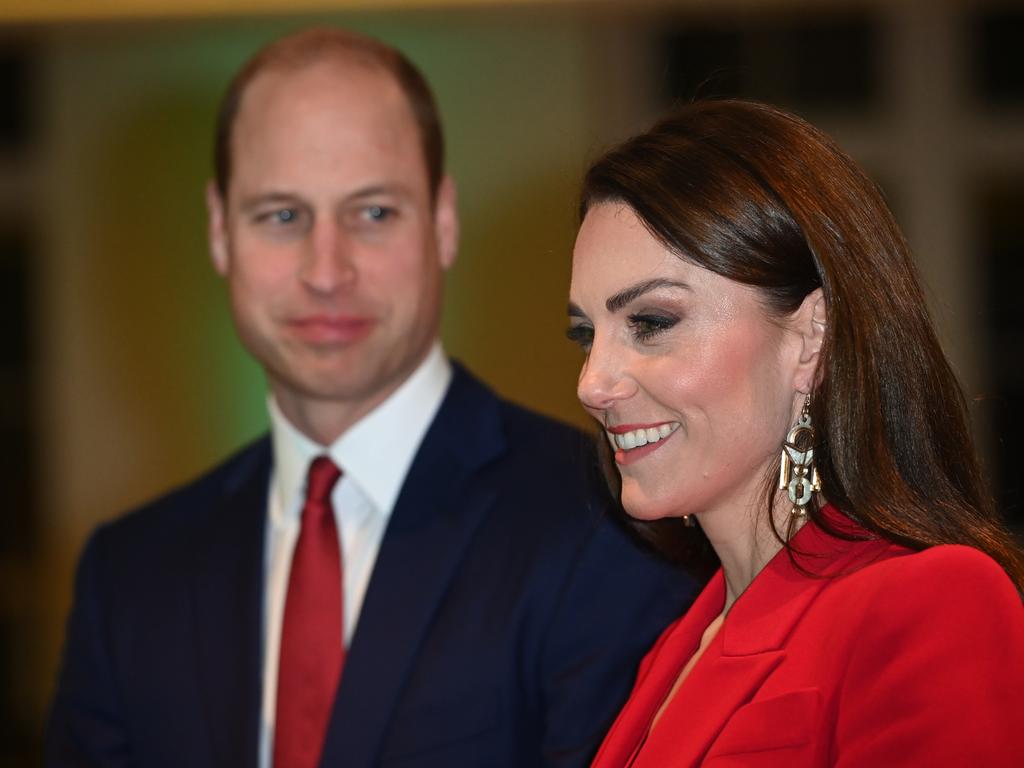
<point>809,323</point>
<point>446,221</point>
<point>217,228</point>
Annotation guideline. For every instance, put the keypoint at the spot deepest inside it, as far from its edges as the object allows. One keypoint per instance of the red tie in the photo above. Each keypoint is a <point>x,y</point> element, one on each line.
<point>312,650</point>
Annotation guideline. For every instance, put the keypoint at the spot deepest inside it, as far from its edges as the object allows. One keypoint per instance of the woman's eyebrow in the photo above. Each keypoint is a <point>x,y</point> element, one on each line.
<point>626,295</point>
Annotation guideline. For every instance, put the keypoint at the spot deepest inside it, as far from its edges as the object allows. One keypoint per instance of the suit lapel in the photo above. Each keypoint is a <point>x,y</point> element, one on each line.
<point>227,601</point>
<point>434,520</point>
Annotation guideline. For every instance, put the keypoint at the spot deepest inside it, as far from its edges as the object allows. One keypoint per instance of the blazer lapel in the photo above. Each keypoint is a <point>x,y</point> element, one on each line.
<point>748,647</point>
<point>434,520</point>
<point>657,675</point>
<point>227,601</point>
<point>752,641</point>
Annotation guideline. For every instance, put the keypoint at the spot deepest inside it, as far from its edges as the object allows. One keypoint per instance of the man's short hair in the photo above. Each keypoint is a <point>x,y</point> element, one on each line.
<point>310,46</point>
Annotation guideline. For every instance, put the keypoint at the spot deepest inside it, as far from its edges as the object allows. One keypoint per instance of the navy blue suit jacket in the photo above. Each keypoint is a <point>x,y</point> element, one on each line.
<point>502,624</point>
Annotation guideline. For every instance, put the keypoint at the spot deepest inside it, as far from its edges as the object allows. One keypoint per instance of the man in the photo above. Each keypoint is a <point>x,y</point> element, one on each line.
<point>408,570</point>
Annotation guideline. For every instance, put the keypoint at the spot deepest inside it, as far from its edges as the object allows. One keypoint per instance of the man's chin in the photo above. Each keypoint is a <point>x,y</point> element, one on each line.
<point>336,384</point>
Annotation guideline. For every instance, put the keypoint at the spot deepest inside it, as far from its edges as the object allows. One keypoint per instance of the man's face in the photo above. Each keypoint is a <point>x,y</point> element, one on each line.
<point>331,246</point>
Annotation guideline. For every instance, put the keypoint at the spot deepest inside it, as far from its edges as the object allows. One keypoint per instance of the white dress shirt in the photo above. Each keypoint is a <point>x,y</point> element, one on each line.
<point>374,456</point>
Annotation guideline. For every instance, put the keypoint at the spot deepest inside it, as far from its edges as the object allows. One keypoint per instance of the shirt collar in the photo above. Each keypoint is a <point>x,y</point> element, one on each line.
<point>394,430</point>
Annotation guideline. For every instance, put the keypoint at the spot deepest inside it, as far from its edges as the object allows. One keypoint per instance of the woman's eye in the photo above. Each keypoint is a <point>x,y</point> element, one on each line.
<point>581,335</point>
<point>647,326</point>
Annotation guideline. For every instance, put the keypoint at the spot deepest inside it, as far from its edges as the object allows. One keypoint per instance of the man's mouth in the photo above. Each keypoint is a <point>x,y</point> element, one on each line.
<point>331,329</point>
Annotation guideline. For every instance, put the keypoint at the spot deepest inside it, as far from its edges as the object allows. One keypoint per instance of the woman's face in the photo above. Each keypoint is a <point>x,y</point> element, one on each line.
<point>691,379</point>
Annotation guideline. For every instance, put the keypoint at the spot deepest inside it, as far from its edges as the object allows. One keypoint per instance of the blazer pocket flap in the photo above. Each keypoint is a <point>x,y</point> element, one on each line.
<point>787,720</point>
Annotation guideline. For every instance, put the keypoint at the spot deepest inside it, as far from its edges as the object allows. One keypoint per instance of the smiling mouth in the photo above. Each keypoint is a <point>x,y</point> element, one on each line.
<point>630,439</point>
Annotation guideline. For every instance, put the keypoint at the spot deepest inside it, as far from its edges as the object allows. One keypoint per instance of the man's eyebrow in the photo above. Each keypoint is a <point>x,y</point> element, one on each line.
<point>373,190</point>
<point>265,198</point>
<point>280,196</point>
<point>626,295</point>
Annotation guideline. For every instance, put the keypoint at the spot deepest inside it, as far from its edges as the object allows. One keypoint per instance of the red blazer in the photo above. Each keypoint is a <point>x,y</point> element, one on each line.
<point>883,657</point>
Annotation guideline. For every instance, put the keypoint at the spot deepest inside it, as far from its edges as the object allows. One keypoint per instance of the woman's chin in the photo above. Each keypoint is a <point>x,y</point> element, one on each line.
<point>642,507</point>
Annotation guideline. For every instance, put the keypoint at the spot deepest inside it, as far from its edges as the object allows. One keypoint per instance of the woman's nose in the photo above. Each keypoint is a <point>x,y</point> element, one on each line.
<point>604,380</point>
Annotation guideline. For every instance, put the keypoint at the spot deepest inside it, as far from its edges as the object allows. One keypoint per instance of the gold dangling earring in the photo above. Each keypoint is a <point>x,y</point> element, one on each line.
<point>689,521</point>
<point>797,474</point>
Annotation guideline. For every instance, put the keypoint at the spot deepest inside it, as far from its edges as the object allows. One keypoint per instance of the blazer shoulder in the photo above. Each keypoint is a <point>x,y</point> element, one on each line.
<point>548,476</point>
<point>178,507</point>
<point>943,563</point>
<point>559,461</point>
<point>942,626</point>
<point>476,397</point>
<point>545,433</point>
<point>965,573</point>
<point>948,583</point>
<point>517,440</point>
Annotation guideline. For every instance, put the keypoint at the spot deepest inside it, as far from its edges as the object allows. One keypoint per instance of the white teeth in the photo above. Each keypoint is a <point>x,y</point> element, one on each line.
<point>638,437</point>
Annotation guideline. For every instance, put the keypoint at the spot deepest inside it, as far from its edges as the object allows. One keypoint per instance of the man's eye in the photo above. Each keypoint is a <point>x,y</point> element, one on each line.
<point>378,212</point>
<point>279,217</point>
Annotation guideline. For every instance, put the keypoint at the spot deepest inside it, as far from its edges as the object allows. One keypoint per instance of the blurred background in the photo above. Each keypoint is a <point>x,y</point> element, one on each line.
<point>120,374</point>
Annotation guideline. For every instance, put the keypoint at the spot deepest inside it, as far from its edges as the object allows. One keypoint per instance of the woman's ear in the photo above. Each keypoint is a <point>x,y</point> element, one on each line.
<point>809,323</point>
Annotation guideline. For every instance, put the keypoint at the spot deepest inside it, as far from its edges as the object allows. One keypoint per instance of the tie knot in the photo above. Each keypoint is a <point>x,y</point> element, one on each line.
<point>323,474</point>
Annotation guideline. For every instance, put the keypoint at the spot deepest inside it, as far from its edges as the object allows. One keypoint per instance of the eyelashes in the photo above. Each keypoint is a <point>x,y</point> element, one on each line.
<point>643,327</point>
<point>646,326</point>
<point>581,335</point>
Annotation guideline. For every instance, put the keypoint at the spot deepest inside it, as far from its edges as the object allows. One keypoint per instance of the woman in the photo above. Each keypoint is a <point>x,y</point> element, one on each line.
<point>759,354</point>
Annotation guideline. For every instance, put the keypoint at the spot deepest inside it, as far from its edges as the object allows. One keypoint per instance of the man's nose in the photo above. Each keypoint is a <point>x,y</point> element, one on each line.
<point>329,262</point>
<point>605,379</point>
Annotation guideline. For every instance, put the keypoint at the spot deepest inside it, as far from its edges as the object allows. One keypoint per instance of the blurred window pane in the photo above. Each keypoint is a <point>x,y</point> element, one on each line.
<point>997,56</point>
<point>1001,249</point>
<point>818,63</point>
<point>704,62</point>
<point>16,478</point>
<point>15,389</point>
<point>835,62</point>
<point>17,74</point>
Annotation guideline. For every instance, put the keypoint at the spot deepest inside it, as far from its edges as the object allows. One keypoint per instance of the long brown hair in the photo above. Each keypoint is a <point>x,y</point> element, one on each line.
<point>760,196</point>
